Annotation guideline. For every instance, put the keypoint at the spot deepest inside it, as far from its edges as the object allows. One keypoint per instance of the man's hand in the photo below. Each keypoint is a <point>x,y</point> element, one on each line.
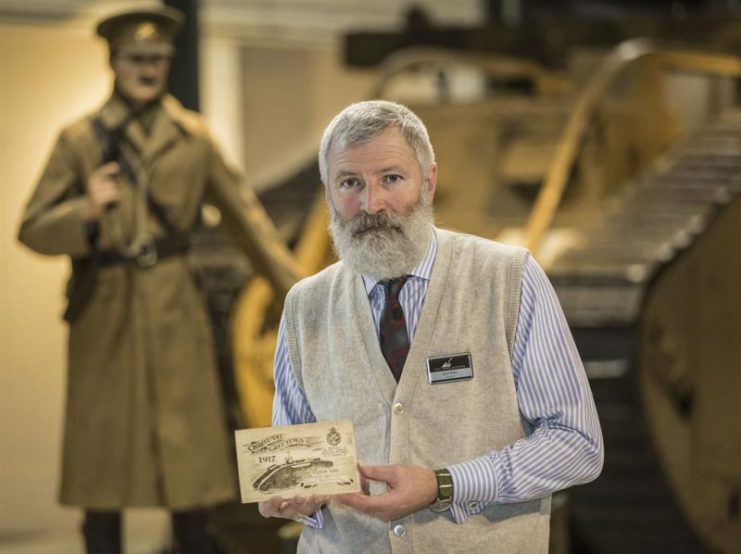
<point>102,190</point>
<point>291,508</point>
<point>410,488</point>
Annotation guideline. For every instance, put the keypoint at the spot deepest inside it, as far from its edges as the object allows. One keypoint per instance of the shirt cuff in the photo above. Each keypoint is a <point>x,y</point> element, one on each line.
<point>316,520</point>
<point>474,487</point>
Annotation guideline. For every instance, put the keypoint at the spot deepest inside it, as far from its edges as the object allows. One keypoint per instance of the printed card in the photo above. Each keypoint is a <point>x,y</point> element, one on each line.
<point>293,460</point>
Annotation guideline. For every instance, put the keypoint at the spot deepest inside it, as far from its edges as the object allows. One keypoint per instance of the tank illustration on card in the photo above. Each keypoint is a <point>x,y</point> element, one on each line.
<point>293,473</point>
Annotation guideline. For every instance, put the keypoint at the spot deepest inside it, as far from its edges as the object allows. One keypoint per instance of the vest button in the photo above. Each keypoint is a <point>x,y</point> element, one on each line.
<point>398,408</point>
<point>399,530</point>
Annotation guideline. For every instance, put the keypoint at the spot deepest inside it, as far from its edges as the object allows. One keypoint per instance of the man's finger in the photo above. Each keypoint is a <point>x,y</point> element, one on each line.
<point>377,473</point>
<point>270,507</point>
<point>360,501</point>
<point>350,499</point>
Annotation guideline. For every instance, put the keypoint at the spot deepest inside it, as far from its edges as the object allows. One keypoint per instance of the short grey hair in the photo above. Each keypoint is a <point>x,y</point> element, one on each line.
<point>361,122</point>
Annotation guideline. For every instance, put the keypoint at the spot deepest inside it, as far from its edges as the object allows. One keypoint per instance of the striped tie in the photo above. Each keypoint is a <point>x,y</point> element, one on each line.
<point>393,327</point>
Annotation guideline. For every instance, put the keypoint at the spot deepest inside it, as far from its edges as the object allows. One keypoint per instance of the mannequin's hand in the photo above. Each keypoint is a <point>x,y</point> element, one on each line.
<point>102,190</point>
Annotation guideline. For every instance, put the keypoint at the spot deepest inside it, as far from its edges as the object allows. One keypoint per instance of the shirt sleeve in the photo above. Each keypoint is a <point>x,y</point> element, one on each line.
<point>565,447</point>
<point>290,406</point>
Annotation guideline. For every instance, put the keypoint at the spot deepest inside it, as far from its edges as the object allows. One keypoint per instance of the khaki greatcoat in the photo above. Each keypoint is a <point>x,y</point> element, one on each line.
<point>144,417</point>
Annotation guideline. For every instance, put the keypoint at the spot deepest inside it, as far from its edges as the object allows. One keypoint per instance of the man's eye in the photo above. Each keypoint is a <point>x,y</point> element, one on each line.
<point>391,179</point>
<point>349,183</point>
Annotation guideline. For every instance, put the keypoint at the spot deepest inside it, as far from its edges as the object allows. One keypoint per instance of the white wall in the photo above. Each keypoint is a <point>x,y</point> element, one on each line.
<point>49,76</point>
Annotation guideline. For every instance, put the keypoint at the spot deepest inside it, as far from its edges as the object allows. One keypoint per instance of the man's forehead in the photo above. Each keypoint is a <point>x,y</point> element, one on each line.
<point>388,142</point>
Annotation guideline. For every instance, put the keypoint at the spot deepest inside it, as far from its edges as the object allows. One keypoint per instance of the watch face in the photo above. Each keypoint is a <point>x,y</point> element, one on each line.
<point>441,505</point>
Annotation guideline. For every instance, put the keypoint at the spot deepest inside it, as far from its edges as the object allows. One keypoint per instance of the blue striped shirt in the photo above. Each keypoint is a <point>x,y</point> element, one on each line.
<point>565,447</point>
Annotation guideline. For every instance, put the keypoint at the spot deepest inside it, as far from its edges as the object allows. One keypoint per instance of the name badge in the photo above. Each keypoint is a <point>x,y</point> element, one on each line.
<point>453,367</point>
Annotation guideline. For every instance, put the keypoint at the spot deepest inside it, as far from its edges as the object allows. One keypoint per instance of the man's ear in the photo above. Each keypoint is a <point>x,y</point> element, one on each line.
<point>430,184</point>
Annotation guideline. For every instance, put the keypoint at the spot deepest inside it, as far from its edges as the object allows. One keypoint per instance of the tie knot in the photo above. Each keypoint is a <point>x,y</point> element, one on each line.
<point>393,287</point>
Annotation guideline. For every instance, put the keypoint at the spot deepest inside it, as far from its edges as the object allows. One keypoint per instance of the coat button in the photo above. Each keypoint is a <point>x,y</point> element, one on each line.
<point>473,506</point>
<point>398,408</point>
<point>399,530</point>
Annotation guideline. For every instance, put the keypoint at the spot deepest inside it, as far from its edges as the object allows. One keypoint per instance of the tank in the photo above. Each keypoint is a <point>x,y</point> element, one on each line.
<point>650,293</point>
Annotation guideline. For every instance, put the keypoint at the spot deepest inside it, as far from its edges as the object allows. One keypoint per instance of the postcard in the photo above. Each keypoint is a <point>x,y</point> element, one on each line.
<point>293,460</point>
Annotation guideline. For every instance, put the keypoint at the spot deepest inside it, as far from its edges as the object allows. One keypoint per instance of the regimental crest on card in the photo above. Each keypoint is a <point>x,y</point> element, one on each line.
<point>333,437</point>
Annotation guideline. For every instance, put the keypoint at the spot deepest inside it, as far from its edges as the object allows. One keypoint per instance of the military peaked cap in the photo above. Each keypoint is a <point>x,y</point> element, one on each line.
<point>140,26</point>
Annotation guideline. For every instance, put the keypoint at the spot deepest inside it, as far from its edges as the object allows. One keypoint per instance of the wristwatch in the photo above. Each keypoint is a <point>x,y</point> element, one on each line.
<point>444,491</point>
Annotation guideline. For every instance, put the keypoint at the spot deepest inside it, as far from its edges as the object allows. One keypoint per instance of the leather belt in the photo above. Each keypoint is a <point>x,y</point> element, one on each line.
<point>149,254</point>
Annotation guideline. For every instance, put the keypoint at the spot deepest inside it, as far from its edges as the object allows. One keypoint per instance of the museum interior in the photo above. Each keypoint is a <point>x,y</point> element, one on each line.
<point>602,135</point>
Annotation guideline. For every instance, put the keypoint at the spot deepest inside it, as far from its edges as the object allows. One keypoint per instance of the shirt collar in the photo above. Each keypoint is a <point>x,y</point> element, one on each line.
<point>423,270</point>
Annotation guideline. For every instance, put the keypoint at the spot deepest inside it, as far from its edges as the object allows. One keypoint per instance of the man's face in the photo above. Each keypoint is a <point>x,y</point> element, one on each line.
<point>141,73</point>
<point>380,205</point>
<point>380,175</point>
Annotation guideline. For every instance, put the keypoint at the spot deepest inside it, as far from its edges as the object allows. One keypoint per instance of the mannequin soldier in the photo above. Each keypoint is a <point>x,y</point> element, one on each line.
<point>122,188</point>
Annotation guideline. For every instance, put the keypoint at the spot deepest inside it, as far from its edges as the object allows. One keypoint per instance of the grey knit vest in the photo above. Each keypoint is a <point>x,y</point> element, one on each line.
<point>471,306</point>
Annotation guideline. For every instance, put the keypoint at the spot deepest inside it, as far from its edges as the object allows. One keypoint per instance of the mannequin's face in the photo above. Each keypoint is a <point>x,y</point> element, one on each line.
<point>141,73</point>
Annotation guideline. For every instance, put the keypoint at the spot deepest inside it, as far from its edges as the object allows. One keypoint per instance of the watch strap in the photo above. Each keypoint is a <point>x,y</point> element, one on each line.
<point>444,491</point>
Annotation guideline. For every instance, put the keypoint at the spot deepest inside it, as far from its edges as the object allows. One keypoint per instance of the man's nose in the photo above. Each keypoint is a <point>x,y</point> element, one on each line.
<point>373,198</point>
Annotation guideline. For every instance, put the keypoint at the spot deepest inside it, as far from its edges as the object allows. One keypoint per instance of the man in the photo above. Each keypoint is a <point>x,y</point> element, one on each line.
<point>123,187</point>
<point>448,352</point>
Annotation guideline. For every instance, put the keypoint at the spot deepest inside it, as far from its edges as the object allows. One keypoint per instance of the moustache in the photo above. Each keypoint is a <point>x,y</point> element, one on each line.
<point>381,221</point>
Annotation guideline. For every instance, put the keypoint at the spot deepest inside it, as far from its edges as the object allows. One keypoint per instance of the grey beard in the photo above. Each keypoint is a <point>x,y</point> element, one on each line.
<point>383,246</point>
